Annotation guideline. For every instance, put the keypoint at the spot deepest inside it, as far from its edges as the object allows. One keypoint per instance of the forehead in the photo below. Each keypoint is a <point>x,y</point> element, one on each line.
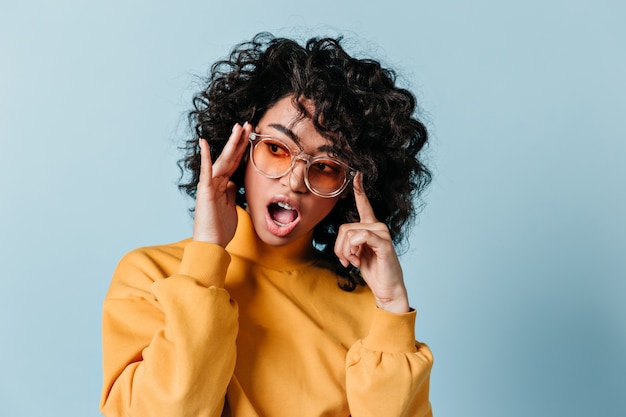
<point>285,121</point>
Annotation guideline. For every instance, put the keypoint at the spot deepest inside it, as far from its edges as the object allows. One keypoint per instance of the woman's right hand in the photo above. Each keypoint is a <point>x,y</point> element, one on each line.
<point>215,217</point>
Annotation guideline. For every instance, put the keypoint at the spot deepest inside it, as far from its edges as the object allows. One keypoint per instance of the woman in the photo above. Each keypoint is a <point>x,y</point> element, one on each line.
<point>289,298</point>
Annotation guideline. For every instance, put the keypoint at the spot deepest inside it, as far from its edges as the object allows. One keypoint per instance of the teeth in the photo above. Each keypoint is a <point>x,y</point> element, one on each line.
<point>284,206</point>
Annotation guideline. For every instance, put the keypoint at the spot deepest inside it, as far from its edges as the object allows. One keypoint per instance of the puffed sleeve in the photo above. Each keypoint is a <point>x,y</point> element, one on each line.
<point>388,372</point>
<point>168,341</point>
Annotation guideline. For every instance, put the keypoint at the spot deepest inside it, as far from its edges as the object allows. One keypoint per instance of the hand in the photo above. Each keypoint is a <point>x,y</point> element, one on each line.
<point>215,218</point>
<point>368,246</point>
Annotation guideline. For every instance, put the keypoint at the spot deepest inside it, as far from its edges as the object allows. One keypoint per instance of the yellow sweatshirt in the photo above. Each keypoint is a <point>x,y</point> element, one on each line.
<point>193,329</point>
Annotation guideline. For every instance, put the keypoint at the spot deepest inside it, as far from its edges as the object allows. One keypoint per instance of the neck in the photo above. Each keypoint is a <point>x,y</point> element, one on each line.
<point>247,244</point>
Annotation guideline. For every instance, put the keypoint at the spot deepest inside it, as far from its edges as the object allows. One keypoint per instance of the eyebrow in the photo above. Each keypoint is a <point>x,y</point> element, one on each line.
<point>293,136</point>
<point>285,130</point>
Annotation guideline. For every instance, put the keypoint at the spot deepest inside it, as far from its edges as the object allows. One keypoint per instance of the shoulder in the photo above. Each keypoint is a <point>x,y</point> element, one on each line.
<point>156,255</point>
<point>347,315</point>
<point>324,279</point>
<point>140,267</point>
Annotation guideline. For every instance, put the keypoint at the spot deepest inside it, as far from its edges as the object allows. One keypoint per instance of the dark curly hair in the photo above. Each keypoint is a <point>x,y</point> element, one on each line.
<point>357,105</point>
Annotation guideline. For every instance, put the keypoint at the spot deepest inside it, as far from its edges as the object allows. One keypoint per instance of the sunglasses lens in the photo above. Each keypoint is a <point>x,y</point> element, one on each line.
<point>271,157</point>
<point>326,176</point>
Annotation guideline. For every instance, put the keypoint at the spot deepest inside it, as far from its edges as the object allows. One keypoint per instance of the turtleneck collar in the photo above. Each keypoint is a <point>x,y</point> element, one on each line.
<point>246,244</point>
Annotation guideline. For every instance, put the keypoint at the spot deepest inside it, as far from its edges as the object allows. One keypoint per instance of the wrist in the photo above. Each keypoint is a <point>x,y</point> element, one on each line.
<point>397,308</point>
<point>399,305</point>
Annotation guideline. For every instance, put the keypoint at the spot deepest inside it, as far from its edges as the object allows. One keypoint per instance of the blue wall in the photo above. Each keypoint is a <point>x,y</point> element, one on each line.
<point>516,265</point>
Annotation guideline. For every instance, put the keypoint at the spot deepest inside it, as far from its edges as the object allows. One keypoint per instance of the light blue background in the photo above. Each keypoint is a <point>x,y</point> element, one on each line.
<point>517,264</point>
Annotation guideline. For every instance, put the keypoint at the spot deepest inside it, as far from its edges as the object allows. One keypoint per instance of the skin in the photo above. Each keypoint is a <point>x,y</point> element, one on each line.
<point>366,244</point>
<point>282,121</point>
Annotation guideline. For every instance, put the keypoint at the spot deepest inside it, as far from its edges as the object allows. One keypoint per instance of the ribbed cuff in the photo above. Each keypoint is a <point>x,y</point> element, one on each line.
<point>206,262</point>
<point>391,332</point>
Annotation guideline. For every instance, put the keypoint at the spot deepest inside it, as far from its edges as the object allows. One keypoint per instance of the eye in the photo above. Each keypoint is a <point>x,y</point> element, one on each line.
<point>277,149</point>
<point>326,167</point>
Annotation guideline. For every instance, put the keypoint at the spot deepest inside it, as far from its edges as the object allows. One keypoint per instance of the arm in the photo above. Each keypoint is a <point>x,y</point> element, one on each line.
<point>387,373</point>
<point>168,343</point>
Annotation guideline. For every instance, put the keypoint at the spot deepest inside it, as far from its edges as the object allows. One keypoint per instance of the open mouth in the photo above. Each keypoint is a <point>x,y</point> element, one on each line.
<point>282,214</point>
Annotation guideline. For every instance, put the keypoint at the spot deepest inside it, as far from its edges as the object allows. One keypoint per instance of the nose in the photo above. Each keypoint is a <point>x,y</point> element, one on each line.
<point>294,179</point>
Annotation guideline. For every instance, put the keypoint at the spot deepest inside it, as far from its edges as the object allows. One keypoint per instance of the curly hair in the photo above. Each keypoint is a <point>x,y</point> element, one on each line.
<point>357,105</point>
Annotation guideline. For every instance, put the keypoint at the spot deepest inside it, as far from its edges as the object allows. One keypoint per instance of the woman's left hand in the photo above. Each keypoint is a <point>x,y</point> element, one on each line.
<point>368,246</point>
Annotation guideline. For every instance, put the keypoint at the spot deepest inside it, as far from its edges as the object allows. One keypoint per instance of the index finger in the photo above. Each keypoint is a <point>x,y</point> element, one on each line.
<point>363,206</point>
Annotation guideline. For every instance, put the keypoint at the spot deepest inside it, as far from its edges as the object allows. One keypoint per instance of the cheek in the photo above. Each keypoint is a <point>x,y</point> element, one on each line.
<point>252,180</point>
<point>320,207</point>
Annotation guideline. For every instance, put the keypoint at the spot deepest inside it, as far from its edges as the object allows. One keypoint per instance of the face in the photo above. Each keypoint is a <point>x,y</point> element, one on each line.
<point>282,209</point>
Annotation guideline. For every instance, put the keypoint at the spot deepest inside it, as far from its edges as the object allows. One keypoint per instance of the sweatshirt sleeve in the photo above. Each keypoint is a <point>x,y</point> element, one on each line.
<point>168,341</point>
<point>388,372</point>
